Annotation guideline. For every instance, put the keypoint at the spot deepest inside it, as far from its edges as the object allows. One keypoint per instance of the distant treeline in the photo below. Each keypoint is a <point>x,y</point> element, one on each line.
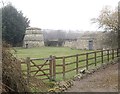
<point>58,37</point>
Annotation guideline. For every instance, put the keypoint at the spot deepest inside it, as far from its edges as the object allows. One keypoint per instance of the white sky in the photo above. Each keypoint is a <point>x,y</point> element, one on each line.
<point>62,14</point>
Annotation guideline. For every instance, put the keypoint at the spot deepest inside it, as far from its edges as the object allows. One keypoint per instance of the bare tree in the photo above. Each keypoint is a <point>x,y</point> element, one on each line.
<point>108,20</point>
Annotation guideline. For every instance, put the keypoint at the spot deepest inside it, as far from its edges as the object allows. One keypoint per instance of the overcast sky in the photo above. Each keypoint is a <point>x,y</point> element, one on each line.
<point>62,14</point>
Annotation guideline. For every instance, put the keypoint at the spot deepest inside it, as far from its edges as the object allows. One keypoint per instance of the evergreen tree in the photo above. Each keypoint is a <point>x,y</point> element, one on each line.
<point>14,25</point>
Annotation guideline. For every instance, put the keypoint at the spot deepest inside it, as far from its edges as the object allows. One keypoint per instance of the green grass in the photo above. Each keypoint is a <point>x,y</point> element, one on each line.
<point>45,52</point>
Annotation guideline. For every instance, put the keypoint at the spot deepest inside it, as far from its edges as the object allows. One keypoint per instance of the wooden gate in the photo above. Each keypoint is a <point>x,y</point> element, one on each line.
<point>41,68</point>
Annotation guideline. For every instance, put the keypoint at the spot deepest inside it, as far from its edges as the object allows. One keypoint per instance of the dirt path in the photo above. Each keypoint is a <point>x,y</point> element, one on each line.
<point>103,80</point>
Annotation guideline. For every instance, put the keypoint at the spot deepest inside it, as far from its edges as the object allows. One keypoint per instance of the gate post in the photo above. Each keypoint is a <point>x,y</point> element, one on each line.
<point>28,69</point>
<point>54,68</point>
<point>51,69</point>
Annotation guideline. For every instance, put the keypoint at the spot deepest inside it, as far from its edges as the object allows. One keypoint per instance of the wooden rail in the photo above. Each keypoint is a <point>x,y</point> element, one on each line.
<point>48,67</point>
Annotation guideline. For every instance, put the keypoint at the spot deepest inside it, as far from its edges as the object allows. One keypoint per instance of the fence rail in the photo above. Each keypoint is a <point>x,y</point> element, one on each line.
<point>53,66</point>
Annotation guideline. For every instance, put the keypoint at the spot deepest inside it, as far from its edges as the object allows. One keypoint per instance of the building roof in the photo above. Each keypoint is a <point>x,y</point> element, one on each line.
<point>33,28</point>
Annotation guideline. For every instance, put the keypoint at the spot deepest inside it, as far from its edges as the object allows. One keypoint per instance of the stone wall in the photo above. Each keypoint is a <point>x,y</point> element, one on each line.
<point>71,44</point>
<point>83,44</point>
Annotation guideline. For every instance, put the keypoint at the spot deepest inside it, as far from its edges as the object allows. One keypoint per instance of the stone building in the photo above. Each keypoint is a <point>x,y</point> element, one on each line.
<point>70,43</point>
<point>90,41</point>
<point>33,38</point>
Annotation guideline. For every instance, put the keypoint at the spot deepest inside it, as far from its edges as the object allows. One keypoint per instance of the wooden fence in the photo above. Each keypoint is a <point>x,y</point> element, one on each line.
<point>50,68</point>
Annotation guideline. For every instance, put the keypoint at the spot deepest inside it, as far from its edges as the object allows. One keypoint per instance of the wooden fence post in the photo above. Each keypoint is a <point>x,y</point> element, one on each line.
<point>108,54</point>
<point>117,52</point>
<point>77,64</point>
<point>63,67</point>
<point>112,53</point>
<point>50,66</point>
<point>102,56</point>
<point>95,60</point>
<point>28,69</point>
<point>54,67</point>
<point>87,61</point>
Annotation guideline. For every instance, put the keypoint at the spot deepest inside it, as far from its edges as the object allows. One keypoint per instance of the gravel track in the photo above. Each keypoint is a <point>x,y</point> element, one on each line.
<point>103,80</point>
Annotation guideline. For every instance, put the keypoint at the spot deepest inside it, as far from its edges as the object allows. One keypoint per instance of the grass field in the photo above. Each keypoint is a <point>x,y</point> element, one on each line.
<point>45,52</point>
